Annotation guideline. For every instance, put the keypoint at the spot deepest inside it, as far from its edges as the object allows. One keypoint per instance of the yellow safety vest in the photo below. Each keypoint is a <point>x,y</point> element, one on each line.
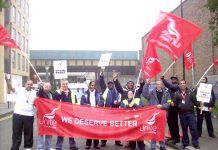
<point>73,97</point>
<point>136,101</point>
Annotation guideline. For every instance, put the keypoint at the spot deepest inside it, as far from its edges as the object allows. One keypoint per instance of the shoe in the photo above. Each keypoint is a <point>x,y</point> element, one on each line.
<point>97,147</point>
<point>196,146</point>
<point>163,148</point>
<point>27,148</point>
<point>183,147</point>
<point>212,135</point>
<point>119,144</point>
<point>174,142</point>
<point>52,149</point>
<point>103,144</point>
<point>153,148</point>
<point>87,147</point>
<point>170,139</point>
<point>74,148</point>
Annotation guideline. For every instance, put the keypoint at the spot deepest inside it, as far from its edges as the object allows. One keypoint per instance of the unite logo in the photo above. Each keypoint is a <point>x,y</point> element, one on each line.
<point>48,119</point>
<point>149,126</point>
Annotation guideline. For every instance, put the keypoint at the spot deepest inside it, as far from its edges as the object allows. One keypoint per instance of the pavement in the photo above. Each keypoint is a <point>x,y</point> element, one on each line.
<point>206,143</point>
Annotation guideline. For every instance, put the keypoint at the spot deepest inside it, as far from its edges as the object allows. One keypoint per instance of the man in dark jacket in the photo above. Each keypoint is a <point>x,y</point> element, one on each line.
<point>92,98</point>
<point>111,99</point>
<point>160,98</point>
<point>206,114</point>
<point>129,86</point>
<point>185,101</point>
<point>64,94</point>
<point>45,92</point>
<point>172,118</point>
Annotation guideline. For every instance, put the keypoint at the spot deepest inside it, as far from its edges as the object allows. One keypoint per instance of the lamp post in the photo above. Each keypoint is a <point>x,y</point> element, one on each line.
<point>46,73</point>
<point>183,56</point>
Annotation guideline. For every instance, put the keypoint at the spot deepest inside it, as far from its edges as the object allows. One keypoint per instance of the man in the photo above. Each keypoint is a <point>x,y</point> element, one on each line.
<point>160,98</point>
<point>206,114</point>
<point>92,98</point>
<point>172,118</point>
<point>23,116</point>
<point>129,86</point>
<point>111,99</point>
<point>45,92</point>
<point>186,101</point>
<point>64,94</point>
<point>132,102</point>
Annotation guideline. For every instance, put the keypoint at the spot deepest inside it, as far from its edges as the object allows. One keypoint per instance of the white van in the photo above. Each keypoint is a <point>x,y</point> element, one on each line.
<point>78,89</point>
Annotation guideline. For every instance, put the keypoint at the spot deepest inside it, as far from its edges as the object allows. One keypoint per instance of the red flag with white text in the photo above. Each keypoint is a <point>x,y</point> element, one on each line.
<point>79,121</point>
<point>151,64</point>
<point>6,40</point>
<point>215,61</point>
<point>189,58</point>
<point>173,34</point>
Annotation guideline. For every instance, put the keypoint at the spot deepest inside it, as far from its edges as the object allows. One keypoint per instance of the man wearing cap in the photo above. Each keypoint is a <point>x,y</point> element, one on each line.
<point>111,99</point>
<point>129,86</point>
<point>172,118</point>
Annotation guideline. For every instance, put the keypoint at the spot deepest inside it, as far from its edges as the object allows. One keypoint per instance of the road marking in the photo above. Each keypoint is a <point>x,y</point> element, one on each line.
<point>5,118</point>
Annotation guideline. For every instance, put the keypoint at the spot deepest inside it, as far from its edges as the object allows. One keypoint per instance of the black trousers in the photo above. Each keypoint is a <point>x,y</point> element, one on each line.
<point>105,141</point>
<point>172,120</point>
<point>200,119</point>
<point>89,142</point>
<point>22,123</point>
<point>141,145</point>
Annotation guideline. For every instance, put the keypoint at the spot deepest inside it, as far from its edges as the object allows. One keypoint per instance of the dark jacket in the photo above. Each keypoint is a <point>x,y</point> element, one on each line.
<point>123,91</point>
<point>41,93</point>
<point>173,88</point>
<point>152,97</point>
<point>189,102</point>
<point>85,99</point>
<point>112,94</point>
<point>63,97</point>
<point>212,98</point>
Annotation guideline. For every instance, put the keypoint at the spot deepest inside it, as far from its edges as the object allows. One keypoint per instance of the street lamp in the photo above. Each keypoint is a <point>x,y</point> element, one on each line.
<point>46,73</point>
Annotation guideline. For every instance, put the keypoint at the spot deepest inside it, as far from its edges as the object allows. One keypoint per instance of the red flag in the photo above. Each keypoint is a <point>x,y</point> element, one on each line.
<point>151,64</point>
<point>6,40</point>
<point>189,58</point>
<point>64,119</point>
<point>215,61</point>
<point>173,34</point>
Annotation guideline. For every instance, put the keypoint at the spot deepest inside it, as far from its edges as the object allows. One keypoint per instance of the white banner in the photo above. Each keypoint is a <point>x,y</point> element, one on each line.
<point>60,69</point>
<point>204,92</point>
<point>104,60</point>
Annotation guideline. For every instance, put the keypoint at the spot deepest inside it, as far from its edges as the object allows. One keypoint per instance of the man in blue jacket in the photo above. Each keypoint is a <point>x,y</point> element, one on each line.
<point>64,94</point>
<point>92,98</point>
<point>132,102</point>
<point>159,97</point>
<point>111,99</point>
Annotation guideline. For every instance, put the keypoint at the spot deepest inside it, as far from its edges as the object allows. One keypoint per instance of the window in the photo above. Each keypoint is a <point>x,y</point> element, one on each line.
<point>23,24</point>
<point>18,39</point>
<point>27,9</point>
<point>22,5</point>
<point>23,63</point>
<point>22,44</point>
<point>13,34</point>
<point>13,61</point>
<point>27,46</point>
<point>18,19</point>
<point>27,28</point>
<point>18,61</point>
<point>13,14</point>
<point>18,2</point>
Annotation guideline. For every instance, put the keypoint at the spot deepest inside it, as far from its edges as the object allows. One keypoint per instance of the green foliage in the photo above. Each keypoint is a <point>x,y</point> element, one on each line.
<point>145,102</point>
<point>3,4</point>
<point>215,109</point>
<point>212,5</point>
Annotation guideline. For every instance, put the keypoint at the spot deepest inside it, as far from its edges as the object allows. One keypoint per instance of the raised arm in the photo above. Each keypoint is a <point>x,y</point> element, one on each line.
<point>170,86</point>
<point>116,82</point>
<point>102,82</point>
<point>145,91</point>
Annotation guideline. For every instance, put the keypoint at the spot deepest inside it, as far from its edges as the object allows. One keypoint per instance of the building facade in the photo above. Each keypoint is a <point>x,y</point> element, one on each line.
<point>16,21</point>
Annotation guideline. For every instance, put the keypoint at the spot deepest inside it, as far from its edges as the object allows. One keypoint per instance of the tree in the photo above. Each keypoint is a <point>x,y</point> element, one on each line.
<point>212,5</point>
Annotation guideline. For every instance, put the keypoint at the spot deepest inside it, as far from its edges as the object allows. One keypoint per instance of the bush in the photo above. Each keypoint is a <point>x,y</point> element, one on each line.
<point>215,109</point>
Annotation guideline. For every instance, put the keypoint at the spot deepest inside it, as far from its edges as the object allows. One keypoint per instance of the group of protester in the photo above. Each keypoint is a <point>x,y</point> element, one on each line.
<point>175,98</point>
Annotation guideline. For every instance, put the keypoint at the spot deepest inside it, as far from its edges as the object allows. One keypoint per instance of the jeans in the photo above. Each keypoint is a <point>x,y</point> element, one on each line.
<point>153,144</point>
<point>60,141</point>
<point>48,139</point>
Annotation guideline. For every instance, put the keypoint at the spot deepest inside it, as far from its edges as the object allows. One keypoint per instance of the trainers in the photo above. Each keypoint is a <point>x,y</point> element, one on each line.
<point>27,148</point>
<point>196,146</point>
<point>163,148</point>
<point>74,148</point>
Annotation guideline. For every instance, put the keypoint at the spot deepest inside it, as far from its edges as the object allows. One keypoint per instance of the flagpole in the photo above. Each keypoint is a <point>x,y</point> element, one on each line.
<point>137,81</point>
<point>31,65</point>
<point>168,68</point>
<point>204,74</point>
<point>193,75</point>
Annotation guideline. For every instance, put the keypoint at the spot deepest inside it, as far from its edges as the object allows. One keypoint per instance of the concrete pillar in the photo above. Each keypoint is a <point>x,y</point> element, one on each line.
<point>2,63</point>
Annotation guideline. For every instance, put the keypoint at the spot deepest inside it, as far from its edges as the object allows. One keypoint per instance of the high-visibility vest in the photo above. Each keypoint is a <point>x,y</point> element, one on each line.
<point>105,96</point>
<point>73,97</point>
<point>136,101</point>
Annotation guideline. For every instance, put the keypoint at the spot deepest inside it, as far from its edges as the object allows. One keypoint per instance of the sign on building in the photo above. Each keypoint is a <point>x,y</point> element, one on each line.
<point>60,69</point>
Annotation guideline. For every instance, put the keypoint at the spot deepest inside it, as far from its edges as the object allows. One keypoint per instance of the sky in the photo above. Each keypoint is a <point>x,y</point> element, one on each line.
<point>93,24</point>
